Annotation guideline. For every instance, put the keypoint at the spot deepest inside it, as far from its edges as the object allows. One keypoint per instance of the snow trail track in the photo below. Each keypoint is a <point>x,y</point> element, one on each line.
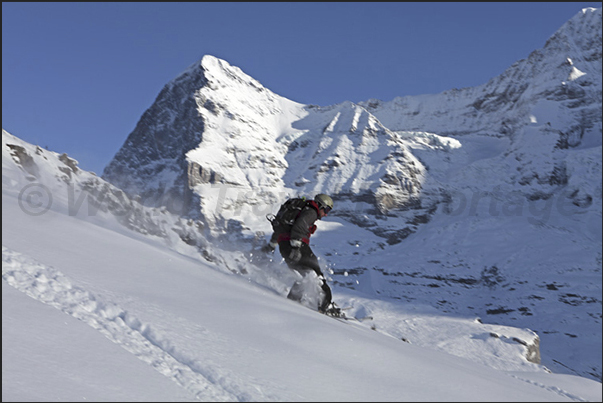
<point>50,286</point>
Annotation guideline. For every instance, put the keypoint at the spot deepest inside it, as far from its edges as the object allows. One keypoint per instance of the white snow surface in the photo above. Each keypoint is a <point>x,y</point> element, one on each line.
<point>98,308</point>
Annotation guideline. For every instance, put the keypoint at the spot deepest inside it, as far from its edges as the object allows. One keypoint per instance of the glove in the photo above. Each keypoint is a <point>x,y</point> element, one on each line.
<point>295,255</point>
<point>269,248</point>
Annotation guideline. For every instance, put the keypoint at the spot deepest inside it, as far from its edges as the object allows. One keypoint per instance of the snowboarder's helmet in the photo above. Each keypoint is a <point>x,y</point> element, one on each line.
<point>324,202</point>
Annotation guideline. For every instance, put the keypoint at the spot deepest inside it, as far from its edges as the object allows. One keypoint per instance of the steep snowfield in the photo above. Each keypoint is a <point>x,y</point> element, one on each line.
<point>95,309</point>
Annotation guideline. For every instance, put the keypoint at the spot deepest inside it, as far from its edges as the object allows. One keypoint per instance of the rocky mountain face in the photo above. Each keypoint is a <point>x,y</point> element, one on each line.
<point>479,201</point>
<point>151,164</point>
<point>217,144</point>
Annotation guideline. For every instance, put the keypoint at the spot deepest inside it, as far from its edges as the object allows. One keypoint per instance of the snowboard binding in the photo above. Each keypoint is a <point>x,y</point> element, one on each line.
<point>334,311</point>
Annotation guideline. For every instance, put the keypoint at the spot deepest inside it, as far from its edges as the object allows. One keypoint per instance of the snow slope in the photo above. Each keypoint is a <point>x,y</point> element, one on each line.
<point>214,322</point>
<point>95,308</point>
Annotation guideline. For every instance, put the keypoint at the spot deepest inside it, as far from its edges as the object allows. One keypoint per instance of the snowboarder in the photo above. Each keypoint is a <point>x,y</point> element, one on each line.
<point>293,226</point>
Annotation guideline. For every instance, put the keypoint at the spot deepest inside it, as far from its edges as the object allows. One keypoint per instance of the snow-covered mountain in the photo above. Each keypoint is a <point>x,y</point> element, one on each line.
<point>254,148</point>
<point>104,299</point>
<point>481,201</point>
<point>216,128</point>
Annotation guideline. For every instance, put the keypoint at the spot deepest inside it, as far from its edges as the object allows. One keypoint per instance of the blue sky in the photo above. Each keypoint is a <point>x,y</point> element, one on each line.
<point>76,77</point>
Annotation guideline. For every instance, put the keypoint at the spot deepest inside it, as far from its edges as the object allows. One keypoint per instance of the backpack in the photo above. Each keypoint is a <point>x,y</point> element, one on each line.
<point>288,212</point>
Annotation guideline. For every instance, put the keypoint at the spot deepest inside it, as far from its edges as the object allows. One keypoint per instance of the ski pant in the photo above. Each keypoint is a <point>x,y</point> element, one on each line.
<point>307,263</point>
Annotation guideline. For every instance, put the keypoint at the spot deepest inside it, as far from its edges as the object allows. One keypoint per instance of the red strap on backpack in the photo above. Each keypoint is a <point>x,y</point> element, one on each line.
<point>287,237</point>
<point>311,230</point>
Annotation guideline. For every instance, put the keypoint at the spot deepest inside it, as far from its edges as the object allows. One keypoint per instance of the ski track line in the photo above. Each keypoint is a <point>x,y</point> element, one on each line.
<point>51,287</point>
<point>553,389</point>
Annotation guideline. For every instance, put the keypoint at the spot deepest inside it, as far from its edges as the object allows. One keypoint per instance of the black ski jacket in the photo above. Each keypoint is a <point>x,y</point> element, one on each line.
<point>304,227</point>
